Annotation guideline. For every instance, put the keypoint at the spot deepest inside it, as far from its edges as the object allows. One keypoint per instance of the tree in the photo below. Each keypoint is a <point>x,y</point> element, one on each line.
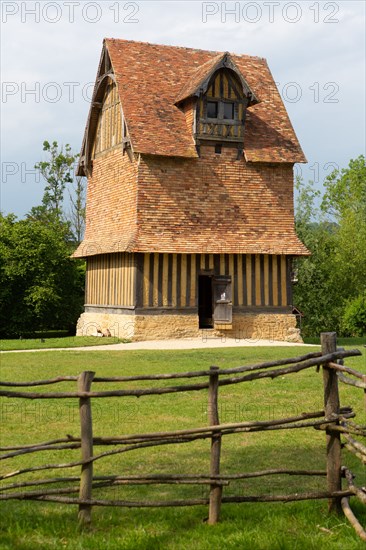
<point>41,286</point>
<point>77,208</point>
<point>335,273</point>
<point>315,277</point>
<point>345,201</point>
<point>57,171</point>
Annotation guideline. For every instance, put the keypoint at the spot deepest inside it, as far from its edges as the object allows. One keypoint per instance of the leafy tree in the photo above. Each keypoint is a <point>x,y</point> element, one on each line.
<point>57,171</point>
<point>335,234</point>
<point>345,201</point>
<point>354,318</point>
<point>315,276</point>
<point>41,286</point>
<point>77,208</point>
<point>58,174</point>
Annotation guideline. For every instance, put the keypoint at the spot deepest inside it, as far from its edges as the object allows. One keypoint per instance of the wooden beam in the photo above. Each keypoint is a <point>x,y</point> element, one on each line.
<point>331,406</point>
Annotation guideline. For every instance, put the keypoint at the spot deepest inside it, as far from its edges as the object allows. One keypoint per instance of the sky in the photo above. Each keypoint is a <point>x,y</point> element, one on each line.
<point>50,53</point>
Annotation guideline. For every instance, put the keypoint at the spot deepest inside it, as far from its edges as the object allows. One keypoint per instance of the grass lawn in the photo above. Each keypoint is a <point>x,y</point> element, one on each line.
<point>301,525</point>
<point>64,342</point>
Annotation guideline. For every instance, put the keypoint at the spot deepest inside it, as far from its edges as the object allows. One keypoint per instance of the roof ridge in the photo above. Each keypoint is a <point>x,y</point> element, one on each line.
<point>218,52</point>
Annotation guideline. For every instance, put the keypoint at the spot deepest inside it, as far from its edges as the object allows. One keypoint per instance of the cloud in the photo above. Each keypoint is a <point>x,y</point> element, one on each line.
<point>311,54</point>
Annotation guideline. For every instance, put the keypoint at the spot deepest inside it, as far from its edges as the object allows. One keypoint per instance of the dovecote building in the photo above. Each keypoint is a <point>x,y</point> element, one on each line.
<point>189,157</point>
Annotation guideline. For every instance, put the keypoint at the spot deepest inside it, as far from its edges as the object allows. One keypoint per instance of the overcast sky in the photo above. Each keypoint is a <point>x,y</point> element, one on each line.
<point>50,53</point>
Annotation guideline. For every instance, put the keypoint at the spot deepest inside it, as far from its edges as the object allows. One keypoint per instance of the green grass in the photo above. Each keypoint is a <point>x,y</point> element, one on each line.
<point>64,342</point>
<point>349,341</point>
<point>302,525</point>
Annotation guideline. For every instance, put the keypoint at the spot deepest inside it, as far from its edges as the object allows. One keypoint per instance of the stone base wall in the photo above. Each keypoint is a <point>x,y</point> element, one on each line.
<point>122,326</point>
<point>254,326</point>
<point>262,326</point>
<point>165,327</point>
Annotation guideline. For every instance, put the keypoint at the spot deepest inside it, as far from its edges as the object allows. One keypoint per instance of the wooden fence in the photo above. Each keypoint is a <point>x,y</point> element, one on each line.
<point>334,420</point>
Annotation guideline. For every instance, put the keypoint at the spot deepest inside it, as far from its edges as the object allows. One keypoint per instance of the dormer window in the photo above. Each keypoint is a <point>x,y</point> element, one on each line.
<point>220,110</point>
<point>228,110</point>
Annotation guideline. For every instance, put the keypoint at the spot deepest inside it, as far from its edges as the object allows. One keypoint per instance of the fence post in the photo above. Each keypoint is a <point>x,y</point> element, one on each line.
<point>213,418</point>
<point>86,428</point>
<point>331,406</point>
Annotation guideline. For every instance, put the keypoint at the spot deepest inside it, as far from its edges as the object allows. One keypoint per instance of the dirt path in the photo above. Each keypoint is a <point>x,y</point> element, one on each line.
<point>186,343</point>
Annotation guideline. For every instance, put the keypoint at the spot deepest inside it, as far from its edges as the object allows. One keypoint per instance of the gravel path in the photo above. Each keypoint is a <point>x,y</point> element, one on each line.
<point>184,343</point>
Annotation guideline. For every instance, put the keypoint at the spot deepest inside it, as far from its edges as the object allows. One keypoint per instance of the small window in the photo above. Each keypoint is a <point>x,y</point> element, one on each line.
<point>218,148</point>
<point>212,109</point>
<point>228,111</point>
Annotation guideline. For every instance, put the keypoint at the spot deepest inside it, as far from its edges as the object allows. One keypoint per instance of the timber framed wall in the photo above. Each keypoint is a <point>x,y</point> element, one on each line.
<point>170,280</point>
<point>258,280</point>
<point>110,280</point>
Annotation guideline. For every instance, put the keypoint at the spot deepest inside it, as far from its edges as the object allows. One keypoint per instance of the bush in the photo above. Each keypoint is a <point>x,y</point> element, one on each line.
<point>354,318</point>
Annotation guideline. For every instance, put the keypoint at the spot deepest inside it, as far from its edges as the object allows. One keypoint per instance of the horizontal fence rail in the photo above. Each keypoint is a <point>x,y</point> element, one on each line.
<point>334,420</point>
<point>297,367</point>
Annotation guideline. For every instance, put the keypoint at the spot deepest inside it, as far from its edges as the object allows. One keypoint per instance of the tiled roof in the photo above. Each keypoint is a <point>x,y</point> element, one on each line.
<point>151,78</point>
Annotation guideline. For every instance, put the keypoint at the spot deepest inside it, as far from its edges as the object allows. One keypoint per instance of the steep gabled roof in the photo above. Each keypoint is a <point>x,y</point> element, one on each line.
<point>200,79</point>
<point>152,79</point>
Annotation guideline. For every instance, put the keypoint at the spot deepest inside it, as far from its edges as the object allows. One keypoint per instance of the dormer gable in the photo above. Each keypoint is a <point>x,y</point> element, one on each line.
<point>222,96</point>
<point>200,81</point>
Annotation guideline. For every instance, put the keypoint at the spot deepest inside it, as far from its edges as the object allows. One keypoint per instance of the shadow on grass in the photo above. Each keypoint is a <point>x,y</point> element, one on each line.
<point>34,525</point>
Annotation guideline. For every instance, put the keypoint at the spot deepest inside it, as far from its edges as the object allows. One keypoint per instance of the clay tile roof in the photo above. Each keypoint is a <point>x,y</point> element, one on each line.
<point>197,76</point>
<point>151,78</point>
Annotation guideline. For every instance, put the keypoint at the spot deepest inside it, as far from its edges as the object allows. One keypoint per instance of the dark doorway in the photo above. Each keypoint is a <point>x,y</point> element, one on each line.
<point>205,301</point>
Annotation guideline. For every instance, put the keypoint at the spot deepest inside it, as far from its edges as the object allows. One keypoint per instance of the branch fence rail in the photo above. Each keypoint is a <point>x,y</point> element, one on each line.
<point>334,420</point>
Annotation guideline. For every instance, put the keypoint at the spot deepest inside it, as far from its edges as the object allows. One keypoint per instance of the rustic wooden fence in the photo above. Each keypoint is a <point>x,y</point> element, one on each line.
<point>334,420</point>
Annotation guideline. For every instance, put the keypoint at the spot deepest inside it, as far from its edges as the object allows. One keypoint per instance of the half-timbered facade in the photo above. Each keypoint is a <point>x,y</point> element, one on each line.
<point>189,156</point>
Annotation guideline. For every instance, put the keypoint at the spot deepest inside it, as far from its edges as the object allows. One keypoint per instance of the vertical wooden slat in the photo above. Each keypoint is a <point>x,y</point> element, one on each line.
<point>165,280</point>
<point>230,271</point>
<point>170,279</point>
<point>151,279</point>
<point>192,300</point>
<point>146,280</point>
<point>266,280</point>
<point>174,281</point>
<point>202,261</point>
<point>275,280</point>
<point>87,283</point>
<point>235,280</point>
<point>183,280</point>
<point>121,264</point>
<point>210,261</point>
<point>188,289</point>
<point>279,281</point>
<point>270,280</point>
<point>240,280</point>
<point>123,278</point>
<point>138,263</point>
<point>331,406</point>
<point>283,280</point>
<point>132,280</point>
<point>249,278</point>
<point>254,286</point>
<point>160,280</point>
<point>111,285</point>
<point>156,280</point>
<point>86,434</point>
<point>288,279</point>
<point>213,418</point>
<point>257,280</point>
